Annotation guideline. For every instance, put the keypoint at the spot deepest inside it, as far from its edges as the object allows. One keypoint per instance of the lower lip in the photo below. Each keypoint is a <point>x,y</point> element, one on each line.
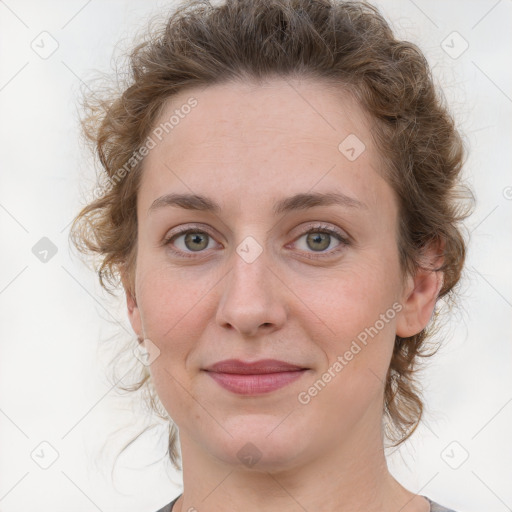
<point>255,384</point>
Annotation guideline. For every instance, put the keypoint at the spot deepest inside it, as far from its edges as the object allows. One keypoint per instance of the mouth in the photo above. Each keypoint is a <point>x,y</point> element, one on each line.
<point>255,378</point>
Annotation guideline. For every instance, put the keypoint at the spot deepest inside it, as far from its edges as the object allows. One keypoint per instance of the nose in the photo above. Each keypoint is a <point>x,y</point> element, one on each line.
<point>253,298</point>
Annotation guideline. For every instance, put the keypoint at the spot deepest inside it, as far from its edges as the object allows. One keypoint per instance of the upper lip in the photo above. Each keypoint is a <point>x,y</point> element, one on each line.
<point>257,367</point>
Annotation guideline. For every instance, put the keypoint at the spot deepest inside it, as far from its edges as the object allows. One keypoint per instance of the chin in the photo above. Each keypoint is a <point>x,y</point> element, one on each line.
<point>260,444</point>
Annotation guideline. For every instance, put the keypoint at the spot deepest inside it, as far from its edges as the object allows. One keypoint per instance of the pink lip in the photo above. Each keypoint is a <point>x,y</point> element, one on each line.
<point>254,378</point>
<point>254,384</point>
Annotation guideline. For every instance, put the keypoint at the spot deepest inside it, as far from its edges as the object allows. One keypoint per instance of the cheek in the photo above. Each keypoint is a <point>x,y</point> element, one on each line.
<point>173,310</point>
<point>347,301</point>
<point>356,335</point>
<point>351,316</point>
<point>172,303</point>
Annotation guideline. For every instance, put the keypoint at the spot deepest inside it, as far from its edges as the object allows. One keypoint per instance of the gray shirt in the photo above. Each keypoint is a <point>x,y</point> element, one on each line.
<point>434,507</point>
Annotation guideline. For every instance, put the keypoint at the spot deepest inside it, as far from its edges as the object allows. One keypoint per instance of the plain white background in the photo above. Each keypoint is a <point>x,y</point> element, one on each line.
<point>54,316</point>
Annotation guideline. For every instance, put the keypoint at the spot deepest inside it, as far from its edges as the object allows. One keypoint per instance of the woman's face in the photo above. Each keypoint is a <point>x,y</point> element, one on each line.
<point>252,282</point>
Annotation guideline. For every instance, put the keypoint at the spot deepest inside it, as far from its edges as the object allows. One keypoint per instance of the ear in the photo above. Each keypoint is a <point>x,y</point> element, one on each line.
<point>420,293</point>
<point>133,309</point>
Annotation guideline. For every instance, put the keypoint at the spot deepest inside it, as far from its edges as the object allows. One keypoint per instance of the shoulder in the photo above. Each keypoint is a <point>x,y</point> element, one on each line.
<point>436,507</point>
<point>168,507</point>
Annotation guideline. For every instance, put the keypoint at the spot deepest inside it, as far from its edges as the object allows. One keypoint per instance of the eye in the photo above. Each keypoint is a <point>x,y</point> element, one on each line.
<point>319,239</point>
<point>193,240</point>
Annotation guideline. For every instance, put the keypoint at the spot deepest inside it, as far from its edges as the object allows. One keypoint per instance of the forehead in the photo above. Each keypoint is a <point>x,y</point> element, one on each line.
<point>251,138</point>
<point>273,113</point>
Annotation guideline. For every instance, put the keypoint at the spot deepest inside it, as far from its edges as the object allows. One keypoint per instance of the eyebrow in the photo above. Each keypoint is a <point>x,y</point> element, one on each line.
<point>301,201</point>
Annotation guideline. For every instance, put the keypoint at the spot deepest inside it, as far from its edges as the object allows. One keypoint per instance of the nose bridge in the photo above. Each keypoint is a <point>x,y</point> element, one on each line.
<point>251,298</point>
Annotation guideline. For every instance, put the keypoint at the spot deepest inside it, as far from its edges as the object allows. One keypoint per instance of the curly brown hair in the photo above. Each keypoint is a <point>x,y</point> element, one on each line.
<point>346,46</point>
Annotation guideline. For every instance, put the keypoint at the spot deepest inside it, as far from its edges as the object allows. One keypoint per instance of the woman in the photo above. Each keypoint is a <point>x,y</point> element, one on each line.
<point>278,204</point>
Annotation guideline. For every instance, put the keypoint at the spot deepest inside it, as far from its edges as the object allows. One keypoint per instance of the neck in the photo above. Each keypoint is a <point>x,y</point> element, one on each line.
<point>350,477</point>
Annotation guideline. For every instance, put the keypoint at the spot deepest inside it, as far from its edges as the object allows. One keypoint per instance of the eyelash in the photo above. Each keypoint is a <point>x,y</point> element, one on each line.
<point>313,229</point>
